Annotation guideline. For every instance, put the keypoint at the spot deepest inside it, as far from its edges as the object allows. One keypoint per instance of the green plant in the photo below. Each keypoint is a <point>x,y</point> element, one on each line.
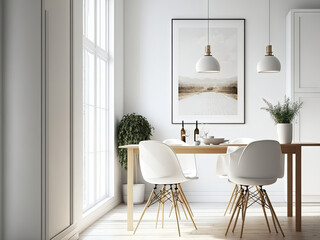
<point>132,129</point>
<point>283,113</point>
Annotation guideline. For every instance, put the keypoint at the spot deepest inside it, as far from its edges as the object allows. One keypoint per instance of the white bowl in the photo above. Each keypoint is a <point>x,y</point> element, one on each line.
<point>214,141</point>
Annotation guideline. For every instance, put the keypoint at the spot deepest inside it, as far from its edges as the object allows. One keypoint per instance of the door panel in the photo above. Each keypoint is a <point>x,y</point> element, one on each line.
<point>307,39</point>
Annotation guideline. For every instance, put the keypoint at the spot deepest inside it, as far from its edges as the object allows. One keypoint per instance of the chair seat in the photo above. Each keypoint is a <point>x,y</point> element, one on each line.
<point>252,181</point>
<point>192,177</point>
<point>167,180</point>
<point>190,174</point>
<point>223,176</point>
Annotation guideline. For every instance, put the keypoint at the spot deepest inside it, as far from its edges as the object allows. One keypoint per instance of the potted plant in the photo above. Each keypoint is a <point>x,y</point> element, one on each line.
<point>132,129</point>
<point>283,115</point>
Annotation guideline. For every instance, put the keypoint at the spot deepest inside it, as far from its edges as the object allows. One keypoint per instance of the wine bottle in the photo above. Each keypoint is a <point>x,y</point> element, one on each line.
<point>196,133</point>
<point>183,133</point>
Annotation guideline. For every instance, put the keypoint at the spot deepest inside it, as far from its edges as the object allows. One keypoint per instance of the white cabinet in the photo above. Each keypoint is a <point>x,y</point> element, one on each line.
<point>303,84</point>
<point>308,130</point>
<point>21,115</point>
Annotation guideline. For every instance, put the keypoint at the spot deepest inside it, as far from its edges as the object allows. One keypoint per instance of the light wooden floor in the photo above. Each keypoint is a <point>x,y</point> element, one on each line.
<point>210,221</point>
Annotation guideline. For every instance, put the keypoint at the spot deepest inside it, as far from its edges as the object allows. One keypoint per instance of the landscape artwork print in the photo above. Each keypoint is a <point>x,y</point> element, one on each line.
<point>208,97</point>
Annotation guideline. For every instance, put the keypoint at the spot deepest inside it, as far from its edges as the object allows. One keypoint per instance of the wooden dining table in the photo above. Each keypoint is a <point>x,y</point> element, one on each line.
<point>287,149</point>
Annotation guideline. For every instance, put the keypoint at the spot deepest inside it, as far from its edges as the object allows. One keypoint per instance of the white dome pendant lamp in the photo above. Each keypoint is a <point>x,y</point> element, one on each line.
<point>207,63</point>
<point>269,63</point>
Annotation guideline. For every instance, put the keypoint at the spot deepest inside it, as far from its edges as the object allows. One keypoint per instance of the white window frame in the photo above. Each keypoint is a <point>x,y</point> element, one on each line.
<point>98,52</point>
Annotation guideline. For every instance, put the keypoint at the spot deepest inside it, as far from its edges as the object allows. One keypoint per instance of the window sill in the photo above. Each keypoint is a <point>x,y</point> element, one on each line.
<point>98,205</point>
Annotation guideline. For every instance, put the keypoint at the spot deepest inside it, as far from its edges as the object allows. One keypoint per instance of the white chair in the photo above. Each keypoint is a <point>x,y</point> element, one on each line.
<point>260,163</point>
<point>187,161</point>
<point>222,169</point>
<point>188,165</point>
<point>160,166</point>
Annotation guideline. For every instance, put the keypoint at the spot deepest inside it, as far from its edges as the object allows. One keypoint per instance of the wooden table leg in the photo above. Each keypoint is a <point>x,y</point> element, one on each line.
<point>298,189</point>
<point>289,184</point>
<point>130,164</point>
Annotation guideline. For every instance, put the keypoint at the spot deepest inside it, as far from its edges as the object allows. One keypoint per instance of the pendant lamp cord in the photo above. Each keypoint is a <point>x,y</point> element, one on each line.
<point>269,22</point>
<point>208,22</point>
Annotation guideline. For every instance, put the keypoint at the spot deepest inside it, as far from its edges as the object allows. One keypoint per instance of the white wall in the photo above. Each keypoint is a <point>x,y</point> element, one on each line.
<point>1,155</point>
<point>147,73</point>
<point>22,119</point>
<point>118,83</point>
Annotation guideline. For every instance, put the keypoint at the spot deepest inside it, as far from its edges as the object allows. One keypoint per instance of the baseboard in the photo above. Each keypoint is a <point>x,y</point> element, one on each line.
<point>311,198</point>
<point>75,237</point>
<point>64,235</point>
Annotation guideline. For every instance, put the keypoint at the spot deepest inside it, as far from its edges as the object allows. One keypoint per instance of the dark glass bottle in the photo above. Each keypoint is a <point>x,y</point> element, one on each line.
<point>196,133</point>
<point>183,133</point>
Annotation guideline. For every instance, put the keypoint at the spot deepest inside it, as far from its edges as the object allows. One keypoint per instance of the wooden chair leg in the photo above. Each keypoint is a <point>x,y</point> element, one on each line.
<point>234,211</point>
<point>184,211</point>
<point>234,199</point>
<point>185,198</point>
<point>162,215</point>
<point>144,210</point>
<point>242,206</point>
<point>274,222</point>
<point>231,197</point>
<point>178,210</point>
<point>273,219</point>
<point>274,213</point>
<point>244,211</point>
<point>263,207</point>
<point>164,193</point>
<point>158,213</point>
<point>188,210</point>
<point>175,210</point>
<point>236,220</point>
<point>171,210</point>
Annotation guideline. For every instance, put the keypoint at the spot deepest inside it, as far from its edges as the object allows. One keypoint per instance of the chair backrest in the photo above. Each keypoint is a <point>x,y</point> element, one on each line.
<point>187,161</point>
<point>222,168</point>
<point>242,140</point>
<point>157,160</point>
<point>260,159</point>
<point>239,141</point>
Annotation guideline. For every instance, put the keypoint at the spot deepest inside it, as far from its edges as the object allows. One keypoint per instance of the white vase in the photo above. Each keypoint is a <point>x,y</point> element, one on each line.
<point>284,132</point>
<point>138,193</point>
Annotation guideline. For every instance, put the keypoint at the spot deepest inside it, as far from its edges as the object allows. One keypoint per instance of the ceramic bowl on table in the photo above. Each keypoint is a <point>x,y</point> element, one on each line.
<point>213,141</point>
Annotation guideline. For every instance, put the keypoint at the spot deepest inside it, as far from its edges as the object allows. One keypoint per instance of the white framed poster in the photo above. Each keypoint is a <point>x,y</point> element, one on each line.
<point>208,97</point>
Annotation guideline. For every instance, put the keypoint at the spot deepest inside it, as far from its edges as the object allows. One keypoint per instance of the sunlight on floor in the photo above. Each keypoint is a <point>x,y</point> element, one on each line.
<point>210,222</point>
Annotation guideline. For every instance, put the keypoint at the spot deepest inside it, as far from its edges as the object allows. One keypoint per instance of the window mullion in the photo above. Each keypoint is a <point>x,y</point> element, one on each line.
<point>95,101</point>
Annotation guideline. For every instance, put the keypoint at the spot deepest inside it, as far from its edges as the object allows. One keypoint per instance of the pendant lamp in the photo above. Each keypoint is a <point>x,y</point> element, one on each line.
<point>207,63</point>
<point>269,63</point>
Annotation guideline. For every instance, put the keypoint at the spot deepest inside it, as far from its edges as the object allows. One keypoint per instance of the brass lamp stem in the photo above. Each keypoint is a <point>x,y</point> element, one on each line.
<point>269,50</point>
<point>207,50</point>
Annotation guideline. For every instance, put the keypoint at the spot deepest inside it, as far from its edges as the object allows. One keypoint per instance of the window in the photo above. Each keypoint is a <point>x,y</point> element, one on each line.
<point>95,102</point>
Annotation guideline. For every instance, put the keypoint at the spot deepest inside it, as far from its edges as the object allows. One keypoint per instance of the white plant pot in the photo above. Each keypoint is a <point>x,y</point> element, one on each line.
<point>138,193</point>
<point>284,132</point>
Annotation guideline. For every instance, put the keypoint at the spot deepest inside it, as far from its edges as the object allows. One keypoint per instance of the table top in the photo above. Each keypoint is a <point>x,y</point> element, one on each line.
<point>222,149</point>
<point>300,144</point>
